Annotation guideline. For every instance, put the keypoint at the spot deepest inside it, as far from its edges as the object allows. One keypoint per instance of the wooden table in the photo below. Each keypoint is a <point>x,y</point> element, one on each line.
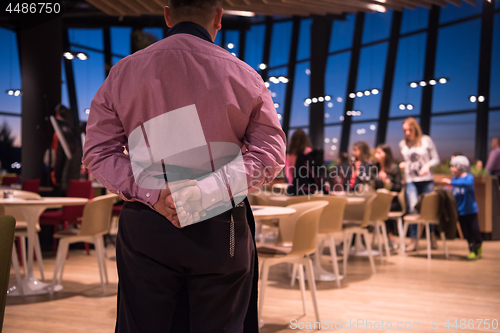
<point>32,209</point>
<point>285,200</point>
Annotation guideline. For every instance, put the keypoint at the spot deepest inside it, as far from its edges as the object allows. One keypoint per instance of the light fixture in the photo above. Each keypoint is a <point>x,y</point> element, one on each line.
<point>405,106</point>
<point>361,131</point>
<point>334,140</point>
<point>409,107</point>
<point>352,95</point>
<point>327,140</point>
<point>341,118</point>
<point>334,147</point>
<point>276,105</point>
<point>353,113</point>
<point>321,99</point>
<point>414,84</point>
<point>423,83</point>
<point>432,82</point>
<point>279,116</point>
<point>327,98</point>
<point>473,99</point>
<point>375,91</point>
<point>72,55</point>
<point>283,79</point>
<point>339,99</point>
<point>359,94</point>
<point>308,101</point>
<point>367,92</point>
<point>87,111</point>
<point>267,84</point>
<point>327,115</point>
<point>330,105</point>
<point>377,8</point>
<point>13,92</point>
<point>443,80</point>
<point>82,56</point>
<point>402,106</point>
<point>230,46</point>
<point>481,99</point>
<point>373,127</point>
<point>308,71</point>
<point>238,13</point>
<point>273,94</point>
<point>262,66</point>
<point>315,100</point>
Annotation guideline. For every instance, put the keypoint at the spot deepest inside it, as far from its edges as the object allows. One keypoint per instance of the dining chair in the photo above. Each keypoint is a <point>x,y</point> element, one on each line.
<point>68,214</point>
<point>381,208</point>
<point>7,226</point>
<point>399,216</point>
<point>21,230</point>
<point>429,214</point>
<point>31,185</point>
<point>96,220</point>
<point>304,243</point>
<point>9,180</point>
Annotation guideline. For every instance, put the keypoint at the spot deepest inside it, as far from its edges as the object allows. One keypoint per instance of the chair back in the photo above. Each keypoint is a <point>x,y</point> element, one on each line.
<point>381,206</point>
<point>259,197</point>
<point>7,227</point>
<point>367,211</point>
<point>97,215</point>
<point>430,207</point>
<point>305,237</point>
<point>287,224</point>
<point>32,185</point>
<point>331,218</point>
<point>402,200</point>
<point>9,180</point>
<point>77,189</point>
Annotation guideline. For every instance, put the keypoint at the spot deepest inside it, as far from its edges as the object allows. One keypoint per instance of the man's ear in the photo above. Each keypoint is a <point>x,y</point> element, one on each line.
<point>168,20</point>
<point>218,20</point>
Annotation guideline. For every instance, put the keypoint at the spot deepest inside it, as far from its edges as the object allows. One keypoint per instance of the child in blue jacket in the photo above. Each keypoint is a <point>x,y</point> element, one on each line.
<point>463,190</point>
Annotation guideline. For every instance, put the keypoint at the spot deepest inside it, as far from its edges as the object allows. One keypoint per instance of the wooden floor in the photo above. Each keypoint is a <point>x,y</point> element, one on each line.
<point>404,291</point>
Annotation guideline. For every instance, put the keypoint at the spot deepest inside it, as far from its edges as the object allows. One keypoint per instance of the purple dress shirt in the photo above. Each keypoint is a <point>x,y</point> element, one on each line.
<point>182,73</point>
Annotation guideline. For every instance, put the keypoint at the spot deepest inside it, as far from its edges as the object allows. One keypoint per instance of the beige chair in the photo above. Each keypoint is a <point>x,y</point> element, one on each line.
<point>381,208</point>
<point>429,214</point>
<point>96,221</point>
<point>7,224</point>
<point>304,243</point>
<point>22,229</point>
<point>358,227</point>
<point>399,217</point>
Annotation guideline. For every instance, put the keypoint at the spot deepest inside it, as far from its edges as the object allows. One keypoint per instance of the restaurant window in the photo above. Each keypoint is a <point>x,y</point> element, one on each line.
<point>495,64</point>
<point>278,90</point>
<point>342,33</point>
<point>377,26</point>
<point>371,72</point>
<point>457,59</point>
<point>280,43</point>
<point>157,32</point>
<point>493,127</point>
<point>331,144</point>
<point>120,43</point>
<point>304,49</point>
<point>414,19</point>
<point>232,41</point>
<point>10,149</point>
<point>9,72</point>
<point>300,112</point>
<point>64,86</point>
<point>254,47</point>
<point>394,135</point>
<point>336,76</point>
<point>454,134</point>
<point>452,12</point>
<point>363,132</point>
<point>406,101</point>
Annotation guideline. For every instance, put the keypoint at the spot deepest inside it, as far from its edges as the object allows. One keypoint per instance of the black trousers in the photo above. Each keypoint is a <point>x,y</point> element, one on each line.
<point>165,272</point>
<point>470,228</point>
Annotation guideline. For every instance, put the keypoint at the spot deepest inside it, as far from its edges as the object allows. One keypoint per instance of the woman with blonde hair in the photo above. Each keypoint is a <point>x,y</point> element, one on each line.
<point>420,155</point>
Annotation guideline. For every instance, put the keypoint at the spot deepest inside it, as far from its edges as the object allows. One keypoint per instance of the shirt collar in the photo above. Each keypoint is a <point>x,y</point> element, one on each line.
<point>191,29</point>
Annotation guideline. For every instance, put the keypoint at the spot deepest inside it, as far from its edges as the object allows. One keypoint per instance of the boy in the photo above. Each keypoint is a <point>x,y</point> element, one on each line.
<point>463,189</point>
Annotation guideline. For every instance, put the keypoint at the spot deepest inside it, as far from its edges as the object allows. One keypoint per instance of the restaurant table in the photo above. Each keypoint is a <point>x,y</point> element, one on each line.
<point>281,200</point>
<point>19,187</point>
<point>32,209</point>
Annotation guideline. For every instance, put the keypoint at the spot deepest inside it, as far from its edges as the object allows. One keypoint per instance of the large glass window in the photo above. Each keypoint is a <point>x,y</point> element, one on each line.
<point>10,125</point>
<point>157,32</point>
<point>120,42</point>
<point>454,134</point>
<point>232,40</point>
<point>363,132</point>
<point>64,86</point>
<point>280,43</point>
<point>495,63</point>
<point>331,145</point>
<point>10,73</point>
<point>409,68</point>
<point>254,47</point>
<point>414,19</point>
<point>300,112</point>
<point>452,12</point>
<point>457,59</point>
<point>377,26</point>
<point>304,49</point>
<point>371,72</point>
<point>337,74</point>
<point>278,90</point>
<point>493,127</point>
<point>342,33</point>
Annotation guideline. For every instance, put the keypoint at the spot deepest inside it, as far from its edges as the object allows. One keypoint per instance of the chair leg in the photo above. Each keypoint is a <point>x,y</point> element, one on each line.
<point>335,263</point>
<point>263,282</point>
<point>15,263</point>
<point>370,256</point>
<point>403,244</point>
<point>419,233</point>
<point>401,236</point>
<point>379,242</point>
<point>386,240</point>
<point>302,288</point>
<point>346,253</point>
<point>23,253</point>
<point>87,248</point>
<point>38,252</point>
<point>443,238</point>
<point>19,250</point>
<point>59,265</point>
<point>99,243</point>
<point>312,286</point>
<point>428,236</point>
<point>294,275</point>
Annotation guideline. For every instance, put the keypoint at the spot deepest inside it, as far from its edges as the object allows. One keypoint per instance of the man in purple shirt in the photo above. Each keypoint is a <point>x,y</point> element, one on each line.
<point>493,164</point>
<point>201,132</point>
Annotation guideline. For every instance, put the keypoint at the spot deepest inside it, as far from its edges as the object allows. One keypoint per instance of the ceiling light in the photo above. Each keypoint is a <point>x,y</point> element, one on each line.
<point>423,83</point>
<point>432,82</point>
<point>352,95</point>
<point>481,99</point>
<point>327,98</point>
<point>414,84</point>
<point>402,106</point>
<point>238,13</point>
<point>321,99</point>
<point>359,94</point>
<point>315,100</point>
<point>375,91</point>
<point>367,92</point>
<point>230,46</point>
<point>262,66</point>
<point>409,107</point>
<point>330,105</point>
<point>443,80</point>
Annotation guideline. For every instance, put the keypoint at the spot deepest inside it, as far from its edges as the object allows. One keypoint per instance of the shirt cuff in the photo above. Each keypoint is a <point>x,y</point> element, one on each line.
<point>148,197</point>
<point>211,192</point>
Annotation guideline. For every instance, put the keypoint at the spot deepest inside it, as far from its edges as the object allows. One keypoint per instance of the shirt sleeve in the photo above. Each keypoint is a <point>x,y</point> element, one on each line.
<point>104,145</point>
<point>263,159</point>
<point>434,157</point>
<point>493,161</point>
<point>463,181</point>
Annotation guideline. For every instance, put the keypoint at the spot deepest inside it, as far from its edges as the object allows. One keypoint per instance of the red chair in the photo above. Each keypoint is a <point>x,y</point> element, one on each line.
<point>31,185</point>
<point>9,180</point>
<point>68,214</point>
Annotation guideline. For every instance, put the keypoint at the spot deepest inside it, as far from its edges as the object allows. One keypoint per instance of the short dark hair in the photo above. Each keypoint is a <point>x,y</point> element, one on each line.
<point>202,10</point>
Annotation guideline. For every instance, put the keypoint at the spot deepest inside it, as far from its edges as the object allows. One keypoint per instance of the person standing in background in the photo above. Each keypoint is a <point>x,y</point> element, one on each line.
<point>493,164</point>
<point>420,155</point>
